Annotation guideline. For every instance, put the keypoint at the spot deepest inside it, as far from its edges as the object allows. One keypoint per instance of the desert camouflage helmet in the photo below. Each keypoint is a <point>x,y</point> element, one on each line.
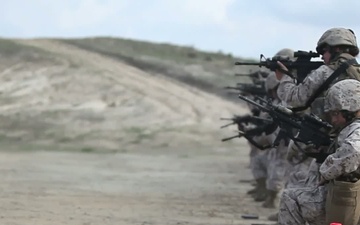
<point>285,53</point>
<point>335,37</point>
<point>271,81</point>
<point>344,95</point>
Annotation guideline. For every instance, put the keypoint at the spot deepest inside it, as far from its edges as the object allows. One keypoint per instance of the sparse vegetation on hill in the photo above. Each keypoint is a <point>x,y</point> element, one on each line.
<point>140,49</point>
<point>12,52</point>
<point>210,71</point>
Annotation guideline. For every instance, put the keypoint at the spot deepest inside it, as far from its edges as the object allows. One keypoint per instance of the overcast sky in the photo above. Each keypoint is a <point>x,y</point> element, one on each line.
<point>242,27</point>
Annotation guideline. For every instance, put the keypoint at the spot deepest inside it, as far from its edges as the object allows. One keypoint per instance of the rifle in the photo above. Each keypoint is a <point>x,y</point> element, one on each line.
<point>303,64</point>
<point>308,129</point>
<point>263,125</point>
<point>249,138</point>
<point>245,119</point>
<point>267,128</point>
<point>249,89</point>
<point>251,85</point>
<point>258,82</point>
<point>256,74</point>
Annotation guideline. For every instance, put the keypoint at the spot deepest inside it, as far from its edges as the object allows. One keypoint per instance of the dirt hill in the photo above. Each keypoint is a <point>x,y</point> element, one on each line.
<point>64,94</point>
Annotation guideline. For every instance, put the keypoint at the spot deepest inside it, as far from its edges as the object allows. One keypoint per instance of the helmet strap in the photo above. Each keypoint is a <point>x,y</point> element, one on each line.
<point>349,116</point>
<point>334,53</point>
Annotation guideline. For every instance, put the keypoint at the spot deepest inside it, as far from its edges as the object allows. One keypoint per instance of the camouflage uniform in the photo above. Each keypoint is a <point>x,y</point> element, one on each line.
<point>270,164</point>
<point>297,95</point>
<point>277,156</point>
<point>268,168</point>
<point>258,158</point>
<point>277,166</point>
<point>342,168</point>
<point>298,168</point>
<point>255,153</point>
<point>259,164</point>
<point>308,204</point>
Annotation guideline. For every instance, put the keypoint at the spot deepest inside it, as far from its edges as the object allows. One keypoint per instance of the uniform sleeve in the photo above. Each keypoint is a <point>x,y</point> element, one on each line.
<point>264,140</point>
<point>261,139</point>
<point>297,95</point>
<point>298,151</point>
<point>346,159</point>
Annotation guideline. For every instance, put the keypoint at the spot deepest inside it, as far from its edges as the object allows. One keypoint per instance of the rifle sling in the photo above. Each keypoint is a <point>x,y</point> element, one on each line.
<point>342,68</point>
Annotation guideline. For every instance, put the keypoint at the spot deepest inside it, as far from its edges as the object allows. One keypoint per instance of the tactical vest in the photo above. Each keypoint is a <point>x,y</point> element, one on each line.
<point>353,72</point>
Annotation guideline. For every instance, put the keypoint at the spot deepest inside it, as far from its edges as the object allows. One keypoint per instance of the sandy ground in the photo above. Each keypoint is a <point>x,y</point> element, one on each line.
<point>77,188</point>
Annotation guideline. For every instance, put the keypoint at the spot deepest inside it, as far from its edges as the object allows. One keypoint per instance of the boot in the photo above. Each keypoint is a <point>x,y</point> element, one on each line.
<point>252,191</point>
<point>273,217</point>
<point>260,194</point>
<point>270,199</point>
<point>254,183</point>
